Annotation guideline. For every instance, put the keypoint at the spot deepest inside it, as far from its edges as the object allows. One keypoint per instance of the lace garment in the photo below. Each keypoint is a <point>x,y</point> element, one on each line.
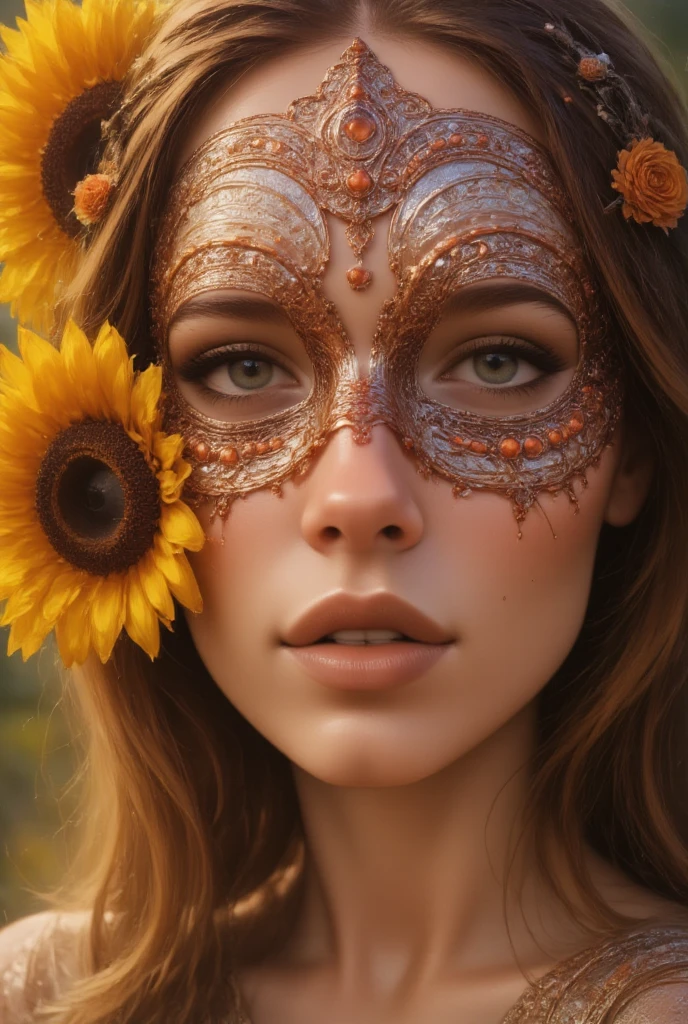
<point>640,978</point>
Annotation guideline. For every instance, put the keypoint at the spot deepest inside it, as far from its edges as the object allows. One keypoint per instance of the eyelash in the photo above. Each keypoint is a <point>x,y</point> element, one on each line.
<point>198,367</point>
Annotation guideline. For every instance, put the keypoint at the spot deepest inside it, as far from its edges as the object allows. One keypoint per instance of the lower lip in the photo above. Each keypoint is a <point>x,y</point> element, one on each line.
<point>368,666</point>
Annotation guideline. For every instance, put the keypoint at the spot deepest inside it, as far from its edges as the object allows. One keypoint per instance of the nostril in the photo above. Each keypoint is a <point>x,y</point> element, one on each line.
<point>393,532</point>
<point>331,533</point>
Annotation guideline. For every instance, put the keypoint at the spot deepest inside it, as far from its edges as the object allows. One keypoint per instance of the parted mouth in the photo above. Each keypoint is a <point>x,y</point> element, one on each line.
<point>377,618</point>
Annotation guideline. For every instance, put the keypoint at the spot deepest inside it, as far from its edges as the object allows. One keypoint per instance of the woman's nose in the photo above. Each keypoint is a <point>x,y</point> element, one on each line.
<point>360,497</point>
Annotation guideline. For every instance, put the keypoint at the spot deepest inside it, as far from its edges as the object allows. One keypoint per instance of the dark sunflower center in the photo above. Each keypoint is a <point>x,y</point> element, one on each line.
<point>91,498</point>
<point>97,498</point>
<point>73,149</point>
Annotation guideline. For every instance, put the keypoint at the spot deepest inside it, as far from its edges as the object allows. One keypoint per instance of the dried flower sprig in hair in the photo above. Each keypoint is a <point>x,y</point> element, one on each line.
<point>652,181</point>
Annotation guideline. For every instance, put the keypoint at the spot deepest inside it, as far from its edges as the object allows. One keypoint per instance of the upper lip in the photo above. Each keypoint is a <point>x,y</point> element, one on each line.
<point>380,610</point>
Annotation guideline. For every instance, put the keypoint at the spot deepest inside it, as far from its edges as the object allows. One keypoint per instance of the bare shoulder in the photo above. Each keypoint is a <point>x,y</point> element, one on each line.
<point>39,954</point>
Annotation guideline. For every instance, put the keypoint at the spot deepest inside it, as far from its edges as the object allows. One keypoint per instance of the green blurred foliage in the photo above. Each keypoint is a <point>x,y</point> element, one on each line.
<point>35,757</point>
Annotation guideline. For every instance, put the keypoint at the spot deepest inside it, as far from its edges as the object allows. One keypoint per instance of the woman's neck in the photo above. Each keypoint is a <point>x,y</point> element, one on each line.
<point>406,884</point>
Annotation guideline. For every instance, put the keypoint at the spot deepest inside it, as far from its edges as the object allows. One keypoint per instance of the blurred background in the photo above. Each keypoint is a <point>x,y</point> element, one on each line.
<point>35,756</point>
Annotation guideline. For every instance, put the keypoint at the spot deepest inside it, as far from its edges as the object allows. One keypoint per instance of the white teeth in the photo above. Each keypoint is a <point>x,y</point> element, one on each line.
<point>356,637</point>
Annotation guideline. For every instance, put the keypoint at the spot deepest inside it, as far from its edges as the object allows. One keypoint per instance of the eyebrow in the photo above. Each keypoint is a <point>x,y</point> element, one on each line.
<point>256,309</point>
<point>479,299</point>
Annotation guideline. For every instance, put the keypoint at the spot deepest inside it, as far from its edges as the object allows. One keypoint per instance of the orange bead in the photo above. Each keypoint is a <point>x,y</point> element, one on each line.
<point>482,141</point>
<point>478,447</point>
<point>438,144</point>
<point>357,92</point>
<point>201,451</point>
<point>532,447</point>
<point>258,143</point>
<point>510,448</point>
<point>228,456</point>
<point>456,139</point>
<point>359,278</point>
<point>359,181</point>
<point>359,129</point>
<point>556,437</point>
<point>262,447</point>
<point>276,443</point>
<point>458,441</point>
<point>577,422</point>
<point>408,443</point>
<point>248,450</point>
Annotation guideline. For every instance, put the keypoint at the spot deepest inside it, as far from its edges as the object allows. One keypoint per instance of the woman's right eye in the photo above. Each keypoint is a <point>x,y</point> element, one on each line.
<point>235,374</point>
<point>246,373</point>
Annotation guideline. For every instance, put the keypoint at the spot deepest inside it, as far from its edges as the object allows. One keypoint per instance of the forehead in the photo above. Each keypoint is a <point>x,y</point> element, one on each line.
<point>446,79</point>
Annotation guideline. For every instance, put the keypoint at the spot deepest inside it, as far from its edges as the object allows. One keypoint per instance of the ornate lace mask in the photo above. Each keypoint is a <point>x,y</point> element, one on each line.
<point>473,198</point>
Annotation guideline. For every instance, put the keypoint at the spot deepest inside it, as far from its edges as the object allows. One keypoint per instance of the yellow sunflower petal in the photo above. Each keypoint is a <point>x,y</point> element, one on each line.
<point>168,448</point>
<point>144,401</point>
<point>108,613</point>
<point>28,598</point>
<point>16,373</point>
<point>180,526</point>
<point>81,368</point>
<point>172,484</point>
<point>186,590</point>
<point>27,634</point>
<point>47,370</point>
<point>155,587</point>
<point>141,622</point>
<point>73,629</point>
<point>65,589</point>
<point>115,373</point>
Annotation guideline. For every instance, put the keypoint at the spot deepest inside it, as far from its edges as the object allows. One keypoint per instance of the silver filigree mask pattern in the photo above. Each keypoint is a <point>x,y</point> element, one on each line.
<point>474,199</point>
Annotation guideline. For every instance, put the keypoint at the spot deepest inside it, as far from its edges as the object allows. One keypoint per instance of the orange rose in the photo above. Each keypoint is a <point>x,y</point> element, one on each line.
<point>652,182</point>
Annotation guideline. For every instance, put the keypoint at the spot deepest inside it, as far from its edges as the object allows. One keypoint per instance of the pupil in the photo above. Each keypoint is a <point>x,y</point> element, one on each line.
<point>496,367</point>
<point>91,498</point>
<point>250,373</point>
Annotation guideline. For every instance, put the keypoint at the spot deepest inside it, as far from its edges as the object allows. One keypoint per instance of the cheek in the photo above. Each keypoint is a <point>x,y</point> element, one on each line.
<point>515,606</point>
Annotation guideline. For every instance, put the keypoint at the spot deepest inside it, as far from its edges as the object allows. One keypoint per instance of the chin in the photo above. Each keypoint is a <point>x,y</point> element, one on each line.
<point>365,758</point>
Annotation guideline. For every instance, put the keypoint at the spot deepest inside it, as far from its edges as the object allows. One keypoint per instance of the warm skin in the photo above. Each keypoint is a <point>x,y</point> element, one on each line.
<point>404,918</point>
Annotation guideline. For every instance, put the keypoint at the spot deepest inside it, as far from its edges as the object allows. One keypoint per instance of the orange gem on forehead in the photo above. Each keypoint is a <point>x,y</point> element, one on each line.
<point>359,278</point>
<point>359,129</point>
<point>359,181</point>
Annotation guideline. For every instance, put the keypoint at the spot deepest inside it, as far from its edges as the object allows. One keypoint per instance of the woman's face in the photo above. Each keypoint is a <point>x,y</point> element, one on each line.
<point>362,530</point>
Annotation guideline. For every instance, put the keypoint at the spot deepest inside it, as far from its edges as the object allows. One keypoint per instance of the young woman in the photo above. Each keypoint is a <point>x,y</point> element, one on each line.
<point>421,755</point>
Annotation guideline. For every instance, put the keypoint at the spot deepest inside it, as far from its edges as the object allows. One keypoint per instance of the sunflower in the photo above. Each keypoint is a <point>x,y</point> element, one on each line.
<point>92,526</point>
<point>59,79</point>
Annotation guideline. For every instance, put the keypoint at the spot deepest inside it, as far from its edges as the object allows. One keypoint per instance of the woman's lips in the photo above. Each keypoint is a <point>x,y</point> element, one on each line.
<point>368,666</point>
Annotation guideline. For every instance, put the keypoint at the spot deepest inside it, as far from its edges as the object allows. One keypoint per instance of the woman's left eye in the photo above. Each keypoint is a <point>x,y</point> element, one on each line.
<point>504,362</point>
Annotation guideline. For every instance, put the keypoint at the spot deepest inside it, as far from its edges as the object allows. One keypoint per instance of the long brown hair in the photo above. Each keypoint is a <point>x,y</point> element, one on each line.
<point>188,809</point>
